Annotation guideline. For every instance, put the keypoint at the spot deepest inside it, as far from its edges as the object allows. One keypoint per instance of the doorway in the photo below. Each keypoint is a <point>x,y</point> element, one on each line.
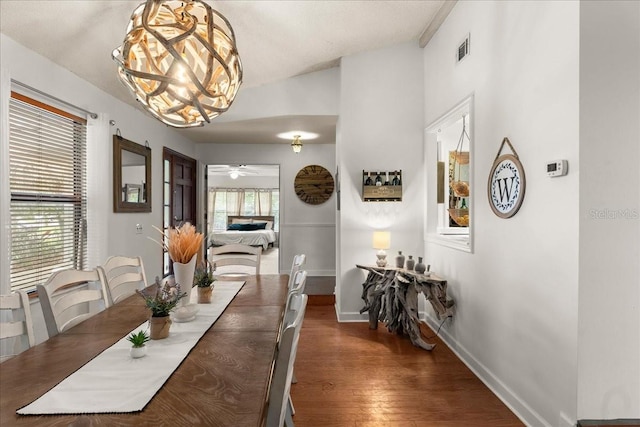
<point>244,193</point>
<point>179,194</point>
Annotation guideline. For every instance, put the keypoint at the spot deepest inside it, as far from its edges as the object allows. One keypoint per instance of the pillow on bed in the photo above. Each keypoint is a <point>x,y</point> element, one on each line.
<point>241,221</point>
<point>268,225</point>
<point>246,227</point>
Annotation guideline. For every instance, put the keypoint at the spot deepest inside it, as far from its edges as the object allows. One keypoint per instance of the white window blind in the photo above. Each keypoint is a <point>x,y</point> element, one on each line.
<point>47,157</point>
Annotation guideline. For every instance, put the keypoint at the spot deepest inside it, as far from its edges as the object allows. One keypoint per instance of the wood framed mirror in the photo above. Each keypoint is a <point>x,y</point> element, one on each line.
<point>131,176</point>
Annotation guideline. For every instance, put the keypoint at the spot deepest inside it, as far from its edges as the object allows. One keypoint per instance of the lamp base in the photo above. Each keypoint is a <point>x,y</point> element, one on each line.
<point>382,258</point>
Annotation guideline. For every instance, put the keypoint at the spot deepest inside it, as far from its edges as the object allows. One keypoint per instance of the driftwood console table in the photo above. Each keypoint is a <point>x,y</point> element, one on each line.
<point>391,295</point>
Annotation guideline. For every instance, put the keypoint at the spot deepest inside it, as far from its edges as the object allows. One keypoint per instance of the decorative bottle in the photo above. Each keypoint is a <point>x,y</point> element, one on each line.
<point>395,180</point>
<point>386,182</point>
<point>378,179</point>
<point>368,181</point>
<point>420,267</point>
<point>400,260</point>
<point>410,263</point>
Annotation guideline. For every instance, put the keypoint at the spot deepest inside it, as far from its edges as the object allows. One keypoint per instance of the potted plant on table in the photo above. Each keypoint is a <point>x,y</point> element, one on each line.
<point>138,343</point>
<point>204,281</point>
<point>161,301</point>
<point>183,243</point>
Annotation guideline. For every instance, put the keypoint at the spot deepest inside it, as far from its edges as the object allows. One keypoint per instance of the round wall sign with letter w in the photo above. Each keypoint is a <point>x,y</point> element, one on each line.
<point>506,184</point>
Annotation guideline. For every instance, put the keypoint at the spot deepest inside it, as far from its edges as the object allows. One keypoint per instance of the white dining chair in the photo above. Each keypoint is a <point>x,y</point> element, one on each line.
<point>280,409</point>
<point>70,297</point>
<point>16,324</point>
<point>298,285</point>
<point>298,262</point>
<point>123,276</point>
<point>232,260</point>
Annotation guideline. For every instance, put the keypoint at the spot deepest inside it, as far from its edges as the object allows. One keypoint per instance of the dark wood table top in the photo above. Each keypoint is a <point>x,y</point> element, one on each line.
<point>223,381</point>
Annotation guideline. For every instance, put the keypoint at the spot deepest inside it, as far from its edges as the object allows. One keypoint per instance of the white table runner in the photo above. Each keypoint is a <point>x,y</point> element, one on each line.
<point>113,382</point>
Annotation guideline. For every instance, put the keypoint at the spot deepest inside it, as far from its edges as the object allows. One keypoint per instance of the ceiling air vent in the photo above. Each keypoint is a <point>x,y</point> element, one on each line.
<point>463,49</point>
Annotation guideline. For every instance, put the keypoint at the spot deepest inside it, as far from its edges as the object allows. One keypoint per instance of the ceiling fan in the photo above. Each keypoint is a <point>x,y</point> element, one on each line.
<point>234,171</point>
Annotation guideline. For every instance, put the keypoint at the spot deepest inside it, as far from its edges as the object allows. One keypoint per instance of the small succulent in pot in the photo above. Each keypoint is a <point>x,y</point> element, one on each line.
<point>204,281</point>
<point>204,275</point>
<point>138,344</point>
<point>138,339</point>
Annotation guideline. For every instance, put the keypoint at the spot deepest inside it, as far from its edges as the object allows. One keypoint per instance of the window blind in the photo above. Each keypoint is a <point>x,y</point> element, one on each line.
<point>47,179</point>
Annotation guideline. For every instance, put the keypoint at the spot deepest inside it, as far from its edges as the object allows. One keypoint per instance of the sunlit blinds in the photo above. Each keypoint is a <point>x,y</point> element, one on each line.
<point>47,156</point>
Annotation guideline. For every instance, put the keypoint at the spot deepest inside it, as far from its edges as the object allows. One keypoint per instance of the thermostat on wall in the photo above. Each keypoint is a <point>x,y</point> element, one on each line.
<point>557,168</point>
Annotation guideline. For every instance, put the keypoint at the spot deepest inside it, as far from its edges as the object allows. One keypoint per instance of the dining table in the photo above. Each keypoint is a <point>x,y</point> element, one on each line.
<point>223,381</point>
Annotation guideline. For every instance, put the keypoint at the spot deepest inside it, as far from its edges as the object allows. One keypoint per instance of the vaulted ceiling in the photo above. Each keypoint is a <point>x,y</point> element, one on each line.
<point>276,40</point>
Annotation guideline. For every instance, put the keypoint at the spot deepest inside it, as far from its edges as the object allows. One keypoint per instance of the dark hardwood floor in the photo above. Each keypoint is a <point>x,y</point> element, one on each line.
<point>349,375</point>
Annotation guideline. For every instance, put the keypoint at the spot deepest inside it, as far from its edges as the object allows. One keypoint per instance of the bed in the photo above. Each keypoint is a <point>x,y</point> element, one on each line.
<point>254,230</point>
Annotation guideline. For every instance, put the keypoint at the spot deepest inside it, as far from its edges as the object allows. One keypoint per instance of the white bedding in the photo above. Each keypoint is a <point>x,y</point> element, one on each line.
<point>253,238</point>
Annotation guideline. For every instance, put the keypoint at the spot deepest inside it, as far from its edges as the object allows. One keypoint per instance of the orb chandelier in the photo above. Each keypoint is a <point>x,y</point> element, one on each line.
<point>179,59</point>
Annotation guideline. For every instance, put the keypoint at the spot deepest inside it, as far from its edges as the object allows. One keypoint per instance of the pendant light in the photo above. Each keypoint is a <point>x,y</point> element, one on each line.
<point>296,144</point>
<point>179,59</point>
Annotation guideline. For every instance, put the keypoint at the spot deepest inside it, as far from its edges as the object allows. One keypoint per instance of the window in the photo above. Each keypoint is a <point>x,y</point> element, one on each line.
<point>449,178</point>
<point>47,181</point>
<point>224,202</point>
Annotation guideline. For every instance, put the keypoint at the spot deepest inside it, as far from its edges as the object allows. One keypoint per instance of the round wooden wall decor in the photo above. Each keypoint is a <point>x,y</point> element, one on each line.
<point>507,183</point>
<point>313,184</point>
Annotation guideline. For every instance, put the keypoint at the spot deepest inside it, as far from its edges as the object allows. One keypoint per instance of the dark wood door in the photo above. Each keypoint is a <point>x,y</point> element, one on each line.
<point>183,189</point>
<point>180,181</point>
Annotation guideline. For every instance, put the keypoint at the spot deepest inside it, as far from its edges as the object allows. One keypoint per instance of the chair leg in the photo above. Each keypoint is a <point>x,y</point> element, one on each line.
<point>288,420</point>
<point>293,410</point>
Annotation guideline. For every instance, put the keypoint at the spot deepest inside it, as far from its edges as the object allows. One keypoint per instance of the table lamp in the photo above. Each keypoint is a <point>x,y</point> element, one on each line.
<point>381,241</point>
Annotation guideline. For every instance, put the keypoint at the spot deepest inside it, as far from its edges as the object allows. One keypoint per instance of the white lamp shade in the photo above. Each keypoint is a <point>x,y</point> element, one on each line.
<point>381,240</point>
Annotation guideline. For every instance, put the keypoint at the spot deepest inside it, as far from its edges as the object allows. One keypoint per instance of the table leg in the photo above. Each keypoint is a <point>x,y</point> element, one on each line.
<point>413,322</point>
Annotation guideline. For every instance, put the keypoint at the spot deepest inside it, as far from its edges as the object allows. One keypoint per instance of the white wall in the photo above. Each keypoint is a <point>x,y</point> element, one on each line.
<point>304,228</point>
<point>109,233</point>
<point>609,310</point>
<point>516,294</point>
<point>380,128</point>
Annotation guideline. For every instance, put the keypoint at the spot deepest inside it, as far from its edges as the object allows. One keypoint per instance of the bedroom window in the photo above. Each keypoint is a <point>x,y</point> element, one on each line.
<point>233,201</point>
<point>47,181</point>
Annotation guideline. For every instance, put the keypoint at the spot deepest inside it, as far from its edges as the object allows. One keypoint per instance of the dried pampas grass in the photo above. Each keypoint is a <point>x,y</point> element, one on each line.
<point>182,242</point>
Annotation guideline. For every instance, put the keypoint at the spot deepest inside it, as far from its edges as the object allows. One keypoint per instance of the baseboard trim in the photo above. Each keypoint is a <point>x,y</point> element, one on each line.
<point>352,316</point>
<point>504,393</point>
<point>630,422</point>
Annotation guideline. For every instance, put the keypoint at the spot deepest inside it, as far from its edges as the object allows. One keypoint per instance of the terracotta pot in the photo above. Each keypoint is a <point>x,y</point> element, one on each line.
<point>159,327</point>
<point>204,295</point>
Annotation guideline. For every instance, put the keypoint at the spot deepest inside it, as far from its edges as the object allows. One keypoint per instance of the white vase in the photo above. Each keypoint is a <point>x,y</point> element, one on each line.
<point>137,352</point>
<point>183,274</point>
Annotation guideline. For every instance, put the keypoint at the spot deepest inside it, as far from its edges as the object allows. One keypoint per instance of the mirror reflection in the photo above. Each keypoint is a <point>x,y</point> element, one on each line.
<point>131,176</point>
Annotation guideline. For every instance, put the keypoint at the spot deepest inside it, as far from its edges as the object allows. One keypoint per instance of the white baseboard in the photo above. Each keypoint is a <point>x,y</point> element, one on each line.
<point>352,316</point>
<point>519,407</point>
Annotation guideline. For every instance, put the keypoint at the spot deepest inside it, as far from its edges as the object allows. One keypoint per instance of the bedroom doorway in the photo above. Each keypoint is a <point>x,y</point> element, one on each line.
<point>243,206</point>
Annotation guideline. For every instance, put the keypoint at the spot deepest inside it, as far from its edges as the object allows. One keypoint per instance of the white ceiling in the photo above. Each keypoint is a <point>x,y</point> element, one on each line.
<point>276,40</point>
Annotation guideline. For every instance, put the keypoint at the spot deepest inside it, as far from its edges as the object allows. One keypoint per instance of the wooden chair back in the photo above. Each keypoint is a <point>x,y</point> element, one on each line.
<point>235,255</point>
<point>298,262</point>
<point>279,411</point>
<point>16,324</point>
<point>123,276</point>
<point>67,300</point>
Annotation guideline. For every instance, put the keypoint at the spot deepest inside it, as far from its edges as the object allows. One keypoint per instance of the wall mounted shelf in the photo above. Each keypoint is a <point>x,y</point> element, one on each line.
<point>381,186</point>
